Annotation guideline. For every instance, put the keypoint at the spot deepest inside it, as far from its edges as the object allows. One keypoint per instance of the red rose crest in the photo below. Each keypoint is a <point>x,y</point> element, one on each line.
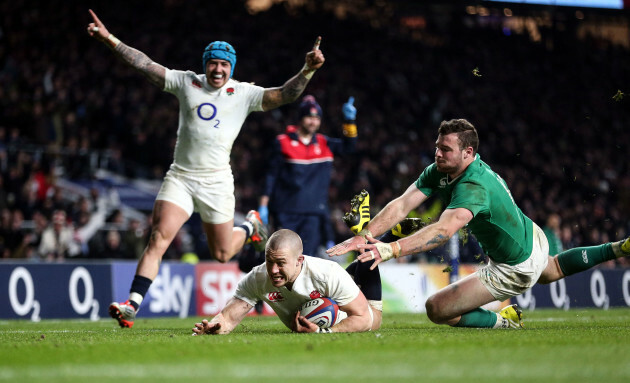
<point>315,294</point>
<point>230,91</point>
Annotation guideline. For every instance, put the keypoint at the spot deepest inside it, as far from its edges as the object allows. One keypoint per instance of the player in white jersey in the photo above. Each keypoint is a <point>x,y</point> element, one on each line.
<point>288,279</point>
<point>213,108</point>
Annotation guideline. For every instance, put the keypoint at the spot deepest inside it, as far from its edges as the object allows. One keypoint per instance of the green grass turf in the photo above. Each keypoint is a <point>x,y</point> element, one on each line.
<point>557,346</point>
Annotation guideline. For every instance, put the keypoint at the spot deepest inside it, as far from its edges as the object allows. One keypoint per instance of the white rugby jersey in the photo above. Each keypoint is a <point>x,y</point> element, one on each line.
<point>318,278</point>
<point>209,119</point>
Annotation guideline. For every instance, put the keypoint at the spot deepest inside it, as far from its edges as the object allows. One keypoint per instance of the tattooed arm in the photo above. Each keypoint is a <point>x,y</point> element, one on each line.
<point>293,88</point>
<point>428,238</point>
<point>133,57</point>
<point>153,71</point>
<point>437,234</point>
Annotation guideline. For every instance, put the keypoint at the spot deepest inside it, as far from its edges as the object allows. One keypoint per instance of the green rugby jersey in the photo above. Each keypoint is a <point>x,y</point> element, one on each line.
<point>503,231</point>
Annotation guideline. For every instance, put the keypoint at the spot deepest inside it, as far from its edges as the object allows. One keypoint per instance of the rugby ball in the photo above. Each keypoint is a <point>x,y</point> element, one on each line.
<point>324,312</point>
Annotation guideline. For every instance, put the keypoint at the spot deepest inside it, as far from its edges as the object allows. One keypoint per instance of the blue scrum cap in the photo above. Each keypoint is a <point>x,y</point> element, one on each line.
<point>309,107</point>
<point>222,51</point>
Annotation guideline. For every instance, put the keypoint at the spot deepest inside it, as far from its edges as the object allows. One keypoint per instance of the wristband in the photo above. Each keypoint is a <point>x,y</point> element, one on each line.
<point>385,250</point>
<point>113,40</point>
<point>349,130</point>
<point>324,331</point>
<point>307,72</point>
<point>397,249</point>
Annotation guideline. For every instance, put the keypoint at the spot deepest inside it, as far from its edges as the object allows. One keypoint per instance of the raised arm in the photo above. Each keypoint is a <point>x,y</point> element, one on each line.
<point>293,88</point>
<point>141,62</point>
<point>225,321</point>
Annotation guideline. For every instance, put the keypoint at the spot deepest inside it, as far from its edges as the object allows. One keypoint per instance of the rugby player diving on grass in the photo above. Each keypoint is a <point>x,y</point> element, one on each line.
<point>477,197</point>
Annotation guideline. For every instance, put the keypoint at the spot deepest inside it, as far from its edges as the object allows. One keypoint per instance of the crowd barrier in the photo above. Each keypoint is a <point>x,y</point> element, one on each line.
<point>37,291</point>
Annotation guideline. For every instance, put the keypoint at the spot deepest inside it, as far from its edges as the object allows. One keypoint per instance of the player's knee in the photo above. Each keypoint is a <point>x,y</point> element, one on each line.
<point>221,255</point>
<point>158,241</point>
<point>222,258</point>
<point>434,310</point>
<point>552,272</point>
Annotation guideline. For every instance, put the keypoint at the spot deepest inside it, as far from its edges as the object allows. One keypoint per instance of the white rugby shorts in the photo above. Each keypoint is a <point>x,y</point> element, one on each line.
<point>212,196</point>
<point>505,281</point>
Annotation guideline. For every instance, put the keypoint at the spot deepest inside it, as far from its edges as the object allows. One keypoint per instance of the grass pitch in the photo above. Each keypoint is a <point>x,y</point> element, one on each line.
<point>557,346</point>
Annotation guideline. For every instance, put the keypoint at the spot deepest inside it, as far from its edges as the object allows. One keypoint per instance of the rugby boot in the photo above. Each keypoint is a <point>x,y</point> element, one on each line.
<point>408,226</point>
<point>512,317</point>
<point>123,312</point>
<point>259,237</point>
<point>625,246</point>
<point>359,214</point>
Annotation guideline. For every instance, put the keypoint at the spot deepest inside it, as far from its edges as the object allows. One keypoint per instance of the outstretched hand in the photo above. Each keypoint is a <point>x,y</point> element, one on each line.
<point>350,244</point>
<point>206,328</point>
<point>96,28</point>
<point>315,58</point>
<point>369,251</point>
<point>378,251</point>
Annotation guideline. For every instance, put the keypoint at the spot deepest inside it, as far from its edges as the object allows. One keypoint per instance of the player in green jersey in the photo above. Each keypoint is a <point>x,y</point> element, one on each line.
<point>476,197</point>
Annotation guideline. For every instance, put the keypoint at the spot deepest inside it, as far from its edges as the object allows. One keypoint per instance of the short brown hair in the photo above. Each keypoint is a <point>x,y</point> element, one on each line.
<point>285,238</point>
<point>466,132</point>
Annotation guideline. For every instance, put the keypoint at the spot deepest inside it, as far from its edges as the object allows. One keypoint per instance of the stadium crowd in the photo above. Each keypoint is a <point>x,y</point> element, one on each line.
<point>62,99</point>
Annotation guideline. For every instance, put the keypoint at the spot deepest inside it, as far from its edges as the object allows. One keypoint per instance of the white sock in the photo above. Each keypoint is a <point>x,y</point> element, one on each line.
<point>501,322</point>
<point>250,227</point>
<point>136,298</point>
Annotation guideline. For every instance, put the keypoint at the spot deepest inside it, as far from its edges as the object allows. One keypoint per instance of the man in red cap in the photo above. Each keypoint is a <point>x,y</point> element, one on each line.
<point>297,183</point>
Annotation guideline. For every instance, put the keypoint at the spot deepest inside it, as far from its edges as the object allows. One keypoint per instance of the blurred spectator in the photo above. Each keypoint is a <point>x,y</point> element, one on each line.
<point>14,237</point>
<point>19,237</point>
<point>40,223</point>
<point>566,236</point>
<point>135,239</point>
<point>57,240</point>
<point>116,219</point>
<point>5,232</point>
<point>552,232</point>
<point>113,247</point>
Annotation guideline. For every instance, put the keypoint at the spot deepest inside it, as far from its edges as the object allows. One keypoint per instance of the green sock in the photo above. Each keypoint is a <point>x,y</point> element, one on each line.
<point>478,318</point>
<point>583,258</point>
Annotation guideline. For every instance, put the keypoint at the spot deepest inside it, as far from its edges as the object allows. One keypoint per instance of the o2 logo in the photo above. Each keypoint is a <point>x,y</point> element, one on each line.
<point>82,307</point>
<point>207,112</point>
<point>30,305</point>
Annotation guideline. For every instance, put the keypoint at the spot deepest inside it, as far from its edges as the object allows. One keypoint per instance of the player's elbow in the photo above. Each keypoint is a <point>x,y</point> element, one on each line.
<point>378,319</point>
<point>367,322</point>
